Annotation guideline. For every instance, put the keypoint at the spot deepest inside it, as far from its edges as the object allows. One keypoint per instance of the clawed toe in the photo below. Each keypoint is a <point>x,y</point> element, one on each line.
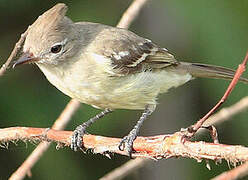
<point>127,144</point>
<point>76,139</point>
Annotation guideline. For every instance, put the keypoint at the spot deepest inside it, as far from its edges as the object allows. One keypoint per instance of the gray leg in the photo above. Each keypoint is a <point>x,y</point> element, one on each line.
<point>127,141</point>
<point>76,139</point>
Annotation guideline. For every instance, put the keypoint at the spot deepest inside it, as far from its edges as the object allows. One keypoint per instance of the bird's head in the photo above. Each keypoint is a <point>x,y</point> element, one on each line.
<point>51,39</point>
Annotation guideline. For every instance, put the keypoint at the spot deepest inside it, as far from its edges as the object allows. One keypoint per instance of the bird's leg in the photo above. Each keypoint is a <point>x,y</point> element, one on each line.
<point>76,139</point>
<point>127,141</point>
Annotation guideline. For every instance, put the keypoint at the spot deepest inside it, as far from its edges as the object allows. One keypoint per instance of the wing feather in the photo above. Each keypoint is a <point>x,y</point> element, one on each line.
<point>129,53</point>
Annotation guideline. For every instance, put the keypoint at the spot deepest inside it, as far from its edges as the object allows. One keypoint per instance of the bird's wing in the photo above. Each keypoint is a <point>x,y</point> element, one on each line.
<point>129,53</point>
<point>141,56</point>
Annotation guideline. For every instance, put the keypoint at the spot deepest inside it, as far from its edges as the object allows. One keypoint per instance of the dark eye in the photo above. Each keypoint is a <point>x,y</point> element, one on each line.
<point>56,48</point>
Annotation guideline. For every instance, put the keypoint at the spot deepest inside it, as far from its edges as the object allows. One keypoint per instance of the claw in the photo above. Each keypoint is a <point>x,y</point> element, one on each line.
<point>76,139</point>
<point>127,144</point>
<point>122,144</point>
<point>127,141</point>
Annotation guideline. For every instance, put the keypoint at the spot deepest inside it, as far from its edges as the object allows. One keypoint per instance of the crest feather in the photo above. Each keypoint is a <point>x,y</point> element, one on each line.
<point>50,18</point>
<point>51,27</point>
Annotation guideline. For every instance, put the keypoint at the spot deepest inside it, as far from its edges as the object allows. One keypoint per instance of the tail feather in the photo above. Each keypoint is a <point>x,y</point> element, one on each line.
<point>210,71</point>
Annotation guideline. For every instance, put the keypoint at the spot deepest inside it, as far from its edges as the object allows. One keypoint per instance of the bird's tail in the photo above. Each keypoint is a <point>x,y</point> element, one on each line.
<point>209,71</point>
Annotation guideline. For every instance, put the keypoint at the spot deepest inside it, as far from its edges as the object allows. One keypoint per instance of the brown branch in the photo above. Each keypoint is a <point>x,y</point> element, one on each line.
<point>154,147</point>
<point>241,68</point>
<point>236,173</point>
<point>131,13</point>
<point>220,117</point>
<point>226,113</point>
<point>59,124</point>
<point>125,169</point>
<point>16,50</point>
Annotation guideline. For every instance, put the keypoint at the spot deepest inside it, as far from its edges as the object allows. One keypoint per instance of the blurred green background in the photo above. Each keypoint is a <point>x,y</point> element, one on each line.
<point>211,31</point>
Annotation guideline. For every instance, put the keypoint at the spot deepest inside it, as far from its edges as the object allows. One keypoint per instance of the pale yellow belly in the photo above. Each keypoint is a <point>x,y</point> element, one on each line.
<point>132,92</point>
<point>126,92</point>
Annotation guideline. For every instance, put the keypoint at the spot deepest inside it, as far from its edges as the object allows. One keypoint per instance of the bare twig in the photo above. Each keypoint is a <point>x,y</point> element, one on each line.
<point>59,124</point>
<point>131,13</point>
<point>194,128</point>
<point>223,115</point>
<point>226,113</point>
<point>16,50</point>
<point>236,173</point>
<point>154,147</point>
<point>125,169</point>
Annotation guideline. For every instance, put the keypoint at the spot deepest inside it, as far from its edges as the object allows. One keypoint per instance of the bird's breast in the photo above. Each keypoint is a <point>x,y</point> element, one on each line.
<point>133,91</point>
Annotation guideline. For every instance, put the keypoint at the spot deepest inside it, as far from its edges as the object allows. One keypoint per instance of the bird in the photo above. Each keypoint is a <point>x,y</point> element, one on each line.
<point>107,67</point>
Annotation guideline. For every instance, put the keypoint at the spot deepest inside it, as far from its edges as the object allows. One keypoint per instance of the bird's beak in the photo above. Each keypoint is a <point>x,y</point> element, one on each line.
<point>25,58</point>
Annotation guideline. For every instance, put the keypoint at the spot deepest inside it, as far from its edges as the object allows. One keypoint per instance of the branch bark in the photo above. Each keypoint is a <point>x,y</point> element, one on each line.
<point>131,13</point>
<point>125,169</point>
<point>60,123</point>
<point>14,53</point>
<point>236,173</point>
<point>225,114</point>
<point>241,68</point>
<point>154,147</point>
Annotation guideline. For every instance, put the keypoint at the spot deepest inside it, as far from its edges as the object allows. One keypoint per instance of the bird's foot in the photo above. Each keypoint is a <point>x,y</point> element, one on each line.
<point>127,143</point>
<point>77,137</point>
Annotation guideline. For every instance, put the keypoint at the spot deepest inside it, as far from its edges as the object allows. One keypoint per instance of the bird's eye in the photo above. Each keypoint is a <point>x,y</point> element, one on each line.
<point>56,48</point>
